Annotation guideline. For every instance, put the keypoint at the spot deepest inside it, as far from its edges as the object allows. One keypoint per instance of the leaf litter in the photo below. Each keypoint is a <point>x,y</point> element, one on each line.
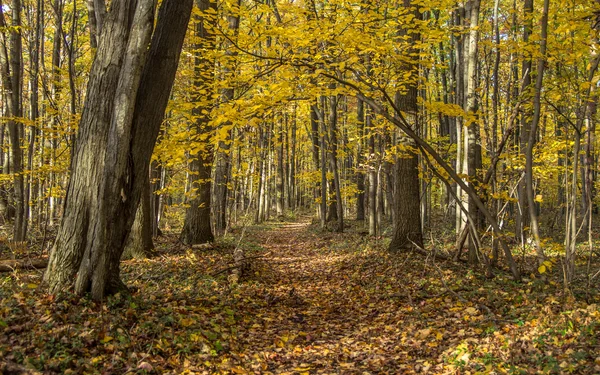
<point>313,302</point>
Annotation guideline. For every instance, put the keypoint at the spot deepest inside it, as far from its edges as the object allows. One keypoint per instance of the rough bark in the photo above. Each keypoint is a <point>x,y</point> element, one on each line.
<point>124,107</point>
<point>139,242</point>
<point>407,230</point>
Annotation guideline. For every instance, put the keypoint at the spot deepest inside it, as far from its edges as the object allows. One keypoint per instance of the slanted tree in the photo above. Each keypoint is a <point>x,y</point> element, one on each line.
<point>128,90</point>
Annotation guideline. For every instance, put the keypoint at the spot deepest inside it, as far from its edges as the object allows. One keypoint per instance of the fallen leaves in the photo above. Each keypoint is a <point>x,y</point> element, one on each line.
<point>318,304</point>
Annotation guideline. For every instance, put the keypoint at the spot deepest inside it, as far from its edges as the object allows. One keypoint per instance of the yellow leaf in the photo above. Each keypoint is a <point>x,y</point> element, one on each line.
<point>96,360</point>
<point>542,268</point>
<point>303,369</point>
<point>32,286</point>
<point>186,322</point>
<point>107,339</point>
<point>423,333</point>
<point>471,311</point>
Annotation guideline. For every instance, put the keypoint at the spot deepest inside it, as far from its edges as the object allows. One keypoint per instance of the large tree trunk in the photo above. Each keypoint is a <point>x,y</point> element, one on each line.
<point>197,228</point>
<point>123,111</point>
<point>407,230</point>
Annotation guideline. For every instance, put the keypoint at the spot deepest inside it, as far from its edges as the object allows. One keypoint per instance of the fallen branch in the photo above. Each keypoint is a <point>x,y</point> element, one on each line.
<point>421,250</point>
<point>27,264</point>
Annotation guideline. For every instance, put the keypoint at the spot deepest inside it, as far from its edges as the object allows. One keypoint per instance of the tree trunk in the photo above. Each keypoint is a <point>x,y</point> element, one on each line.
<point>31,192</point>
<point>279,177</point>
<point>408,230</point>
<point>223,157</point>
<point>523,213</point>
<point>139,242</point>
<point>293,191</point>
<point>533,216</point>
<point>372,191</point>
<point>126,99</point>
<point>12,77</point>
<point>333,119</point>
<point>360,174</point>
<point>197,227</point>
<point>471,107</point>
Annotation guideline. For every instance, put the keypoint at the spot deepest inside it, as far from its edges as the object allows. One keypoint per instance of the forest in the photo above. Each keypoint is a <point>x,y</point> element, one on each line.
<point>299,187</point>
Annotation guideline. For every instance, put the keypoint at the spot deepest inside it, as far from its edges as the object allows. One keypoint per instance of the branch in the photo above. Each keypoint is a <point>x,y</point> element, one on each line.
<point>28,264</point>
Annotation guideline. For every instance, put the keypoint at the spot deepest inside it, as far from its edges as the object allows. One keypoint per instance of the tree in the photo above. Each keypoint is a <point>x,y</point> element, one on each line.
<point>11,66</point>
<point>197,227</point>
<point>408,232</point>
<point>128,91</point>
<point>533,216</point>
<point>223,155</point>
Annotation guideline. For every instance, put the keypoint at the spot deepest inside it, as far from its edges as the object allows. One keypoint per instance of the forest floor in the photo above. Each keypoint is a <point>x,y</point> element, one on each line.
<point>311,302</point>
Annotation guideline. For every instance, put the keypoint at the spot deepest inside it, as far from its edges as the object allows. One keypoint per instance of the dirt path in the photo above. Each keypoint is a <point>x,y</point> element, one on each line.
<point>319,314</point>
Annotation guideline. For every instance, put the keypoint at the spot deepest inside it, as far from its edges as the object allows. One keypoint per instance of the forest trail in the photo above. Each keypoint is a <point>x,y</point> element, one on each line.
<point>331,303</point>
<point>311,302</point>
<point>319,314</point>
